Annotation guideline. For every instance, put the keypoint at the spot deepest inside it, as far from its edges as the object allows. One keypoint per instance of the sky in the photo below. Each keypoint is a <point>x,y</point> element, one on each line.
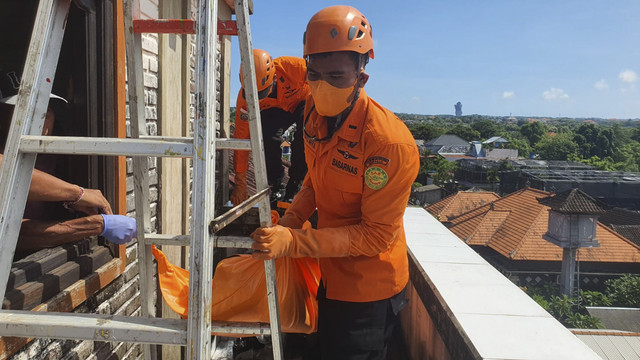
<point>548,58</point>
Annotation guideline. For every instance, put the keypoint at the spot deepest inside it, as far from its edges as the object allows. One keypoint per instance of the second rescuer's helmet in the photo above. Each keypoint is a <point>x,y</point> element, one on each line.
<point>338,28</point>
<point>265,71</point>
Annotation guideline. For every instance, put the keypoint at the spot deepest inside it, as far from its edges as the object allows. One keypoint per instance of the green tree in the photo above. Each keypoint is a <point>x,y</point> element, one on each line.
<point>594,298</point>
<point>445,172</point>
<point>425,131</point>
<point>586,136</point>
<point>628,156</point>
<point>518,143</point>
<point>583,321</point>
<point>465,132</point>
<point>604,143</point>
<point>635,134</point>
<point>486,128</point>
<point>533,131</point>
<point>568,311</point>
<point>624,291</point>
<point>558,147</point>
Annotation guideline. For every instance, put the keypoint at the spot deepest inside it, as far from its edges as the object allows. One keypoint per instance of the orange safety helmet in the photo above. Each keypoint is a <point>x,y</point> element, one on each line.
<point>338,28</point>
<point>265,71</point>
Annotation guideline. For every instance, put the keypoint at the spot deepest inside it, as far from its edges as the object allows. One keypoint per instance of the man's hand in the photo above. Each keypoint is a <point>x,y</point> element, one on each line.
<point>119,229</point>
<point>239,193</point>
<point>271,243</point>
<point>93,203</point>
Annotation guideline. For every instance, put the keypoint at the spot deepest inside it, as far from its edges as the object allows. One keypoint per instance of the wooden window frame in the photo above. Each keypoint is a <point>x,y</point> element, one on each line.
<point>105,107</point>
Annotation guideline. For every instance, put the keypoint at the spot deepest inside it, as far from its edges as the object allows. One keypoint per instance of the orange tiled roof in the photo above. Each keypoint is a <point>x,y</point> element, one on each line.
<point>460,203</point>
<point>514,225</point>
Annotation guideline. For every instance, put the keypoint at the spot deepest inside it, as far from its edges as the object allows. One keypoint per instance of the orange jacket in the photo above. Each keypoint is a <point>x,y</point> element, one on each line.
<point>292,88</point>
<point>359,181</point>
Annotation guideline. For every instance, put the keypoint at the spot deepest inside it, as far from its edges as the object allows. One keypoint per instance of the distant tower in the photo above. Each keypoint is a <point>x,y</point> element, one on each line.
<point>573,220</point>
<point>458,107</point>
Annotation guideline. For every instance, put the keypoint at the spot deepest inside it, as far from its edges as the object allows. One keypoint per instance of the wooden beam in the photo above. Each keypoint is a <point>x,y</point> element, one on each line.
<point>164,26</point>
<point>227,27</point>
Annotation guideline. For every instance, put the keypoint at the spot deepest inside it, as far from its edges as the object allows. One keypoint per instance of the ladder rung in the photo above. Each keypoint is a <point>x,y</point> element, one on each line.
<point>164,26</point>
<point>233,144</point>
<point>93,327</point>
<point>221,327</point>
<point>98,327</point>
<point>167,239</point>
<point>236,242</point>
<point>105,146</point>
<point>221,143</point>
<point>235,212</point>
<point>145,146</point>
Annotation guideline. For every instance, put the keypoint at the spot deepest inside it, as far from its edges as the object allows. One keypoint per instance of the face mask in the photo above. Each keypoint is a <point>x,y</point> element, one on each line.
<point>328,99</point>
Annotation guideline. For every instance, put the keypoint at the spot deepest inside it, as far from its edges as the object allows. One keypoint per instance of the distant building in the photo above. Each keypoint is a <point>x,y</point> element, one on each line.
<point>614,188</point>
<point>451,147</point>
<point>458,107</point>
<point>426,195</point>
<point>508,233</point>
<point>496,142</point>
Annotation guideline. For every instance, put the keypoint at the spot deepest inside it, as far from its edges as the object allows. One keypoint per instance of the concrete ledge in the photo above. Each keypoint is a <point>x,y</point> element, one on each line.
<point>478,313</point>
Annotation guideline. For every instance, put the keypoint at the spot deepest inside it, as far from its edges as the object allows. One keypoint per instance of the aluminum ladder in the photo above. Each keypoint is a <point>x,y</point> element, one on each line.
<point>24,142</point>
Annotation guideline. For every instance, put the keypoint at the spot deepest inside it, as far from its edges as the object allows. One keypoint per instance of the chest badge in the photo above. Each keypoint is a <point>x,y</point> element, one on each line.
<point>347,155</point>
<point>375,178</point>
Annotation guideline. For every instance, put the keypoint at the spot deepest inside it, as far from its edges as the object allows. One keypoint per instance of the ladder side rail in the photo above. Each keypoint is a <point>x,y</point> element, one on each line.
<point>28,118</point>
<point>257,145</point>
<point>143,146</point>
<point>201,252</point>
<point>137,121</point>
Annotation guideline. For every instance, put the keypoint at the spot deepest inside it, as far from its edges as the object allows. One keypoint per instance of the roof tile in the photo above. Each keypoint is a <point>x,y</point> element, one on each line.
<point>524,220</point>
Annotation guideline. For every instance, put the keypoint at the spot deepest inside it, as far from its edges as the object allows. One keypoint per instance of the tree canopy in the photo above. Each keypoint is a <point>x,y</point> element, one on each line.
<point>607,145</point>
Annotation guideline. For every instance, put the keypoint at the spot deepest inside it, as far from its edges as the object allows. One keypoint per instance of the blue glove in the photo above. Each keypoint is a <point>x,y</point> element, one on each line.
<point>119,229</point>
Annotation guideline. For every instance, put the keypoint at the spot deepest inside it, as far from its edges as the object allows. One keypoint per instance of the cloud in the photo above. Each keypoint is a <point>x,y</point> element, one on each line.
<point>415,99</point>
<point>601,85</point>
<point>554,93</point>
<point>508,95</point>
<point>628,76</point>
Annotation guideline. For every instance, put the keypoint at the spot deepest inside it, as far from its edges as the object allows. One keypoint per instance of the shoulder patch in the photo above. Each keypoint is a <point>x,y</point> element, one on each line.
<point>375,178</point>
<point>376,160</point>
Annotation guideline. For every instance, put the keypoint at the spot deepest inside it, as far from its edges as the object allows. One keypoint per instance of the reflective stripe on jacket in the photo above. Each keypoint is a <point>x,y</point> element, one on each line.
<point>292,88</point>
<point>359,181</point>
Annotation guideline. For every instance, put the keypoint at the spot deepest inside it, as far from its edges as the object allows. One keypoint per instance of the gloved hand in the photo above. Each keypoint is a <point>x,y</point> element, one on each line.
<point>119,229</point>
<point>271,243</point>
<point>279,241</point>
<point>239,193</point>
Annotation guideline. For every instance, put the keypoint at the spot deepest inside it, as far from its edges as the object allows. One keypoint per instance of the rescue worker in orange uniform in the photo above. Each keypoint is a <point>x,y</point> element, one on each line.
<point>362,162</point>
<point>282,90</point>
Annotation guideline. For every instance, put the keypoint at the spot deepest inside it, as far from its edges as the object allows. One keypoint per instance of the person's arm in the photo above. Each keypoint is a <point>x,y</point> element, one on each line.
<point>240,157</point>
<point>39,234</point>
<point>382,210</point>
<point>45,187</point>
<point>302,207</point>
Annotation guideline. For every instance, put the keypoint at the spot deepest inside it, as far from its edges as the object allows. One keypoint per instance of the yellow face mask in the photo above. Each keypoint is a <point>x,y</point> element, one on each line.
<point>328,99</point>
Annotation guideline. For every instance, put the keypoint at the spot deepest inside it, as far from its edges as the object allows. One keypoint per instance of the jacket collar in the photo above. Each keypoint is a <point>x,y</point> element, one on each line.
<point>352,128</point>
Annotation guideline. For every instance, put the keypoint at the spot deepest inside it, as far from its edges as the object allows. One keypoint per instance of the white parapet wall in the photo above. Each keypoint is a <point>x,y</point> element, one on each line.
<point>473,305</point>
